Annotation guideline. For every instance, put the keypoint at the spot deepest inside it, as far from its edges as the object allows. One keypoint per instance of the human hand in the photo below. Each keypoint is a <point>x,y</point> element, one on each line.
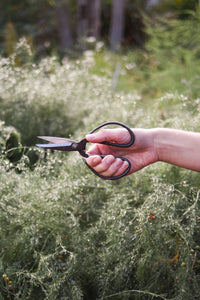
<point>140,154</point>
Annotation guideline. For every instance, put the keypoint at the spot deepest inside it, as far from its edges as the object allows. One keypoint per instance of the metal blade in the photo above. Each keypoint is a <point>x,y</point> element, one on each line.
<point>55,140</point>
<point>58,146</point>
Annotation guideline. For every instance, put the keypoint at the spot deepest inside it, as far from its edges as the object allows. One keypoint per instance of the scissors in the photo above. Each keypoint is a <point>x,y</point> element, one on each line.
<point>63,144</point>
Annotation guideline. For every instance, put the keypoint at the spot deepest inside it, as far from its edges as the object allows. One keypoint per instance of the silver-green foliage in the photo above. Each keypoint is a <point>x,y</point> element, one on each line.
<point>67,235</point>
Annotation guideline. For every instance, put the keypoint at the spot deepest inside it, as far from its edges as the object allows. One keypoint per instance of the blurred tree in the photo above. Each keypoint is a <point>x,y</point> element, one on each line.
<point>11,38</point>
<point>134,34</point>
<point>62,12</point>
<point>82,23</point>
<point>94,18</point>
<point>117,24</point>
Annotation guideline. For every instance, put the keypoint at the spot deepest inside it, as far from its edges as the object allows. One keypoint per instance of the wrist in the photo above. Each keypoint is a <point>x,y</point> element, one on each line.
<point>173,146</point>
<point>146,142</point>
<point>154,135</point>
<point>162,143</point>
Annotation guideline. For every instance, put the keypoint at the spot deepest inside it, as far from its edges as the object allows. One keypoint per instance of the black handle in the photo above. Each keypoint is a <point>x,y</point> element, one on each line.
<point>132,139</point>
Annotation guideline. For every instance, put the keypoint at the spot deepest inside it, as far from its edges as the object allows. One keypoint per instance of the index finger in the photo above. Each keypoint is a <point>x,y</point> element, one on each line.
<point>98,149</point>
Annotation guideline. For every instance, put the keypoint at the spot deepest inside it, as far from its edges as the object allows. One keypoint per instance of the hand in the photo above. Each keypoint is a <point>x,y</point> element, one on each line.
<point>140,154</point>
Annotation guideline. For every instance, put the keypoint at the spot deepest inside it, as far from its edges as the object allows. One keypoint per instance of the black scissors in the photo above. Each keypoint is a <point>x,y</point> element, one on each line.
<point>63,144</point>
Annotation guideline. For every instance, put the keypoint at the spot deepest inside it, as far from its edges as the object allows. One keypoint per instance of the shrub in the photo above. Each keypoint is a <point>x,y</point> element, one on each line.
<point>10,142</point>
<point>67,235</point>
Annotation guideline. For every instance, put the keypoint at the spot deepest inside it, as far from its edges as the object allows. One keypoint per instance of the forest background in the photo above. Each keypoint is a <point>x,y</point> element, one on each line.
<point>65,68</point>
<point>64,26</point>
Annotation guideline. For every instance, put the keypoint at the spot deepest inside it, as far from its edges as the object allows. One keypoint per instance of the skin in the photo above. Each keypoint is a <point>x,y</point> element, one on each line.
<point>177,147</point>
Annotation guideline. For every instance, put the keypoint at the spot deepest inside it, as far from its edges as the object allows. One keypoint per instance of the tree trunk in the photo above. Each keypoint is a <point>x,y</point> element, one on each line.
<point>94,18</point>
<point>82,23</point>
<point>62,11</point>
<point>117,24</point>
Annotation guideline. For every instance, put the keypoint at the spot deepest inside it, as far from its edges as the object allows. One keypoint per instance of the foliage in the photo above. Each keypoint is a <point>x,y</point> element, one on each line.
<point>182,7</point>
<point>175,37</point>
<point>10,142</point>
<point>28,20</point>
<point>170,42</point>
<point>65,234</point>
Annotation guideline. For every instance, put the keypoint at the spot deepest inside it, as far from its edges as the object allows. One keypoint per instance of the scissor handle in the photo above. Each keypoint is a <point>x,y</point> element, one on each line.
<point>132,139</point>
<point>132,136</point>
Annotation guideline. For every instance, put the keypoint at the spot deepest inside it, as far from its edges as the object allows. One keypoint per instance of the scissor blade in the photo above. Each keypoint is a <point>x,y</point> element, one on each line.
<point>55,140</point>
<point>58,146</point>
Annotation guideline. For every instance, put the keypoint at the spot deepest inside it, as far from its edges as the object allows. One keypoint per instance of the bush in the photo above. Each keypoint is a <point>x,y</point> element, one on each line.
<point>67,235</point>
<point>10,143</point>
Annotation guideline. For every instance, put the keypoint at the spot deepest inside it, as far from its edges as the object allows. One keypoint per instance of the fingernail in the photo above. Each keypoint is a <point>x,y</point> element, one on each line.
<point>95,159</point>
<point>108,158</point>
<point>90,137</point>
<point>126,164</point>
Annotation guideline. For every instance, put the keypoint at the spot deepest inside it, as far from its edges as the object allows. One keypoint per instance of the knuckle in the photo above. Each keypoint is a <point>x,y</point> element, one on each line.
<point>118,162</point>
<point>104,134</point>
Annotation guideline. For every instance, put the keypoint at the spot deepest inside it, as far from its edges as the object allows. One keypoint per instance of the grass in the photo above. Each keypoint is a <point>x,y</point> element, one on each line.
<point>65,234</point>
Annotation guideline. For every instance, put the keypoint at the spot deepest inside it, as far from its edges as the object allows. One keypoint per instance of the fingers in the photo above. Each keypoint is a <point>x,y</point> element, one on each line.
<point>108,166</point>
<point>98,149</point>
<point>109,135</point>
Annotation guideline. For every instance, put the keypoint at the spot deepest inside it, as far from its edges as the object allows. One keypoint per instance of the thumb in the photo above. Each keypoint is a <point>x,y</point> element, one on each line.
<point>108,135</point>
<point>98,137</point>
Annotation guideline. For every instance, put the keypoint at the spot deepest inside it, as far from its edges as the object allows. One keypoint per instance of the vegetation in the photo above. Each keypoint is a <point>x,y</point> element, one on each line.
<point>66,234</point>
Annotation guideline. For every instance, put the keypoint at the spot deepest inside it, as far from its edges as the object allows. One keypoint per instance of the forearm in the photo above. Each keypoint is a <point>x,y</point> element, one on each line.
<point>177,147</point>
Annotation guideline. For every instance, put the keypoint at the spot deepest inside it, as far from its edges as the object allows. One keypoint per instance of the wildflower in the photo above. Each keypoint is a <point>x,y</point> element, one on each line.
<point>151,217</point>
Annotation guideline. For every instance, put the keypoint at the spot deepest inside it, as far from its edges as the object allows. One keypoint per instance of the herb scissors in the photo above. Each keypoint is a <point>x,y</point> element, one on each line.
<point>63,144</point>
